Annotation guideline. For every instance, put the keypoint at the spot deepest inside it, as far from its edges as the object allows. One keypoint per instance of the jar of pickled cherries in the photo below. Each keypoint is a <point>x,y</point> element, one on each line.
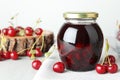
<point>80,41</point>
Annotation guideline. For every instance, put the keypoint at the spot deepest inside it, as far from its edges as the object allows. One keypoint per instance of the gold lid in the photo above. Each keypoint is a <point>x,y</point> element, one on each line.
<point>79,15</point>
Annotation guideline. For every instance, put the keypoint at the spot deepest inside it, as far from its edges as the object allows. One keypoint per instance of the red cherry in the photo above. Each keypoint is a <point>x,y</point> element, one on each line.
<point>6,55</point>
<point>28,53</point>
<point>113,68</point>
<point>14,55</point>
<point>28,31</point>
<point>38,31</point>
<point>36,64</point>
<point>29,28</point>
<point>11,32</point>
<point>111,58</point>
<point>101,69</point>
<point>5,31</point>
<point>59,67</point>
<point>38,52</point>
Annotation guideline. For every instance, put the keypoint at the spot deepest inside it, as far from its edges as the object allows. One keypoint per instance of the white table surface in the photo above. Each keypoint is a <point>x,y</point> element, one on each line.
<point>22,70</point>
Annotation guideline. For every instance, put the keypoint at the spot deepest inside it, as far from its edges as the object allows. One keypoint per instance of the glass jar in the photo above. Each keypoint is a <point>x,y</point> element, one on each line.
<point>80,41</point>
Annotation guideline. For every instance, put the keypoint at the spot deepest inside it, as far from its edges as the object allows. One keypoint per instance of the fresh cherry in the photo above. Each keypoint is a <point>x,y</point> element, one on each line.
<point>36,64</point>
<point>28,53</point>
<point>111,58</point>
<point>5,31</point>
<point>38,31</point>
<point>6,55</point>
<point>28,31</point>
<point>113,68</point>
<point>11,32</point>
<point>38,52</point>
<point>101,69</point>
<point>14,55</point>
<point>59,67</point>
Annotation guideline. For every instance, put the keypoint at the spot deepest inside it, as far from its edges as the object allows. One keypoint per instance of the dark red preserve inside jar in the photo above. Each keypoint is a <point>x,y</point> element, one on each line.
<point>80,41</point>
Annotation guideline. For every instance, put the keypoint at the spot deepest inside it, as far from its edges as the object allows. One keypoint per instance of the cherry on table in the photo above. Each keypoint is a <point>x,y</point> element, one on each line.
<point>6,55</point>
<point>111,58</point>
<point>113,68</point>
<point>28,53</point>
<point>59,67</point>
<point>101,69</point>
<point>38,52</point>
<point>36,64</point>
<point>14,55</point>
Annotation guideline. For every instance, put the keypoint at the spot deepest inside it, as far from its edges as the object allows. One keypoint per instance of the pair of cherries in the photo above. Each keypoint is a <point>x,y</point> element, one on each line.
<point>10,55</point>
<point>108,65</point>
<point>58,67</point>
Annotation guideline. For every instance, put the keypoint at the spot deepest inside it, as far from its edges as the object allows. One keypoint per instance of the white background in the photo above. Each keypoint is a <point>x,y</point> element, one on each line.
<point>51,12</point>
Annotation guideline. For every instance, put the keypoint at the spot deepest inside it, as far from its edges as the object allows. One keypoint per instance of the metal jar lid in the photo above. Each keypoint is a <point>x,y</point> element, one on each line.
<point>80,15</point>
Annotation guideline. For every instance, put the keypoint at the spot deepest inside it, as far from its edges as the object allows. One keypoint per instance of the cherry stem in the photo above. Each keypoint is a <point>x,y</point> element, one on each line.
<point>42,42</point>
<point>23,50</point>
<point>3,42</point>
<point>38,22</point>
<point>32,57</point>
<point>51,50</point>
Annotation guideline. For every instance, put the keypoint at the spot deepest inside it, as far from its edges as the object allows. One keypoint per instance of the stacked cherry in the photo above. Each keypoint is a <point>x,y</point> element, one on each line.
<point>20,31</point>
<point>108,64</point>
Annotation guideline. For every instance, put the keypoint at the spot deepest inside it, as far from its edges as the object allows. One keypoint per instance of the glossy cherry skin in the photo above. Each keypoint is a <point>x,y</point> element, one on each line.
<point>14,55</point>
<point>38,31</point>
<point>38,52</point>
<point>5,31</point>
<point>11,32</point>
<point>101,69</point>
<point>36,64</point>
<point>6,55</point>
<point>28,31</point>
<point>113,68</point>
<point>59,67</point>
<point>111,58</point>
<point>28,53</point>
